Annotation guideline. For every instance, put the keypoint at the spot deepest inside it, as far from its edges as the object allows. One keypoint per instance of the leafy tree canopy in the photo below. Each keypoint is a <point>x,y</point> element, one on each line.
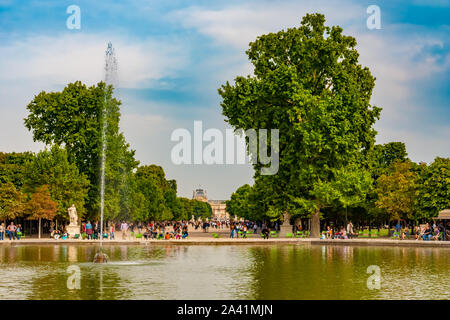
<point>308,84</point>
<point>11,201</point>
<point>65,184</point>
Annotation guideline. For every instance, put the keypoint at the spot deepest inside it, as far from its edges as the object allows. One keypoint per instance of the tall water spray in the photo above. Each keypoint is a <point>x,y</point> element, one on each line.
<point>110,79</point>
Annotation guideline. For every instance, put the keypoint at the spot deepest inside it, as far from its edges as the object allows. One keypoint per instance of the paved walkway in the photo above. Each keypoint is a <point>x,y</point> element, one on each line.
<point>204,240</point>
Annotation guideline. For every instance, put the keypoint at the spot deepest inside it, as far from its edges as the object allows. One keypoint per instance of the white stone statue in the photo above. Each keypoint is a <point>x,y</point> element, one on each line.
<point>286,219</point>
<point>73,215</point>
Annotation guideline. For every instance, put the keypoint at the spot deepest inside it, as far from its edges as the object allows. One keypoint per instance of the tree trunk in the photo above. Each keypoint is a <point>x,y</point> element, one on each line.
<point>315,224</point>
<point>39,228</point>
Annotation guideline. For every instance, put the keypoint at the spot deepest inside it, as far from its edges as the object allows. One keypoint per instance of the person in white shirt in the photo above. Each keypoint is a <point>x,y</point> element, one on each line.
<point>350,230</point>
<point>124,228</point>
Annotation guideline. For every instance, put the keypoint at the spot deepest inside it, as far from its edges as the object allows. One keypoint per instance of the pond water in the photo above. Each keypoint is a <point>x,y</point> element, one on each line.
<point>223,272</point>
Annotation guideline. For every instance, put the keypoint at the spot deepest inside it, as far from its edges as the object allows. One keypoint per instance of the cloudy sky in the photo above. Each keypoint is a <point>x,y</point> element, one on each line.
<point>174,55</point>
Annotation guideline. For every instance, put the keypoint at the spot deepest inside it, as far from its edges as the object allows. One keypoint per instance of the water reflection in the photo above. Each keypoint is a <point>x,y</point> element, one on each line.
<point>224,272</point>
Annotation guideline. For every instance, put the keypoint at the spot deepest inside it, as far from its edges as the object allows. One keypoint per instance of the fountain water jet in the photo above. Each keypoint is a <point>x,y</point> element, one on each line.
<point>110,79</point>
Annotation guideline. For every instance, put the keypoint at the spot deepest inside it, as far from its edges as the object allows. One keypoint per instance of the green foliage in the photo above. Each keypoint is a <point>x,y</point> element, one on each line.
<point>65,184</point>
<point>239,203</point>
<point>186,209</point>
<point>12,167</point>
<point>309,85</point>
<point>397,191</point>
<point>74,118</point>
<point>151,182</point>
<point>434,188</point>
<point>201,209</point>
<point>383,155</point>
<point>11,201</point>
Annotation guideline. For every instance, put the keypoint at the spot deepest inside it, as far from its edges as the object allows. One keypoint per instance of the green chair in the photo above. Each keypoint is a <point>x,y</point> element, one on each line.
<point>289,235</point>
<point>376,234</point>
<point>76,236</point>
<point>365,234</point>
<point>299,234</point>
<point>139,236</point>
<point>396,235</point>
<point>215,235</point>
<point>274,234</point>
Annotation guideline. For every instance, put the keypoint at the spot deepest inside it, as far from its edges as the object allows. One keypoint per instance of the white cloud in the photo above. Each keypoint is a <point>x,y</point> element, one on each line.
<point>61,59</point>
<point>238,25</point>
<point>421,145</point>
<point>49,63</point>
<point>395,56</point>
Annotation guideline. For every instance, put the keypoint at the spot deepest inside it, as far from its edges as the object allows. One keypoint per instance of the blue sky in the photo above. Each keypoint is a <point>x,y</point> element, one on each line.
<point>174,55</point>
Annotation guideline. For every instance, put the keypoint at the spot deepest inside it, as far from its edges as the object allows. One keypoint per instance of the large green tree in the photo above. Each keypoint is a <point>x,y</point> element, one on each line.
<point>74,119</point>
<point>65,184</point>
<point>151,182</point>
<point>308,84</point>
<point>239,203</point>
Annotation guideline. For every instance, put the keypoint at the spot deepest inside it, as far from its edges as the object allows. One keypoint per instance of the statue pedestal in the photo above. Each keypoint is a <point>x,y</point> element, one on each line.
<point>73,230</point>
<point>286,226</point>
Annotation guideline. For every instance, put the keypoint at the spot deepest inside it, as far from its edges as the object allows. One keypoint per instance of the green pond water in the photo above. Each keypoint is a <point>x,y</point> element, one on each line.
<point>223,272</point>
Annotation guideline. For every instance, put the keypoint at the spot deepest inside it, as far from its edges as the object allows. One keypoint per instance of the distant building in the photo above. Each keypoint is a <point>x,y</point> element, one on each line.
<point>218,206</point>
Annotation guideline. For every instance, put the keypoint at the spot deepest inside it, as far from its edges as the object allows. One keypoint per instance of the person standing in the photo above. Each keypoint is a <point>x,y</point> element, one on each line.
<point>89,230</point>
<point>350,230</point>
<point>12,231</point>
<point>2,231</point>
<point>124,228</point>
<point>96,232</point>
<point>111,232</point>
<point>19,231</point>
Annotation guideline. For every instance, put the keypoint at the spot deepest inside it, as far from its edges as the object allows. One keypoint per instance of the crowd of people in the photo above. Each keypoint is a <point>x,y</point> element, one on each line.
<point>237,229</point>
<point>147,231</point>
<point>12,231</point>
<point>422,232</point>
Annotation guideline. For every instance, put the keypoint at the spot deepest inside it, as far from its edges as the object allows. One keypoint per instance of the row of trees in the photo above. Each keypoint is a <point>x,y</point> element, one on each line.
<point>399,190</point>
<point>68,171</point>
<point>48,178</point>
<point>308,83</point>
